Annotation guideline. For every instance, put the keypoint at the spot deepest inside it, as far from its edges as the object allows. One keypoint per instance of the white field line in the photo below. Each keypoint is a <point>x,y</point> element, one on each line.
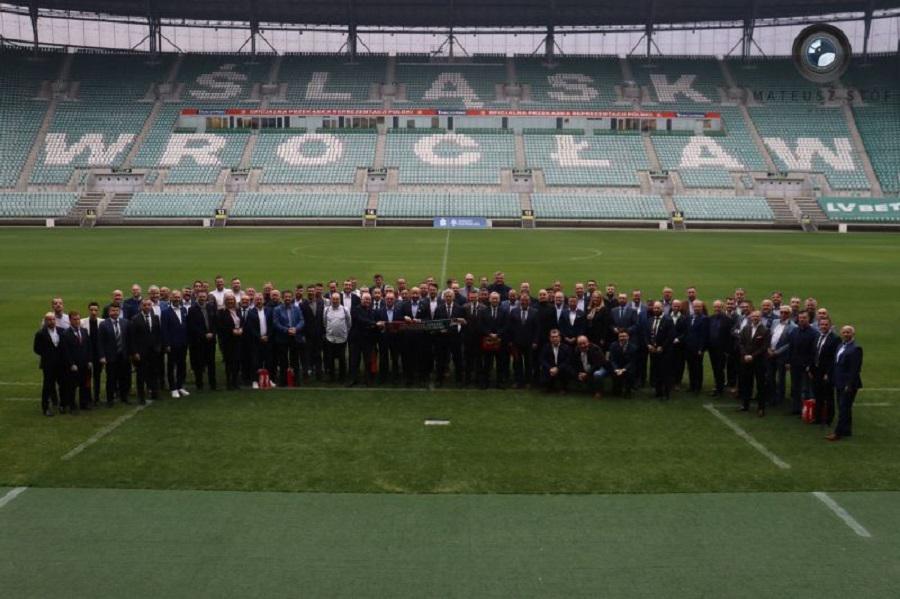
<point>443,276</point>
<point>11,494</point>
<point>19,384</point>
<point>20,399</point>
<point>856,404</point>
<point>104,431</point>
<point>843,514</point>
<point>740,432</point>
<point>881,389</point>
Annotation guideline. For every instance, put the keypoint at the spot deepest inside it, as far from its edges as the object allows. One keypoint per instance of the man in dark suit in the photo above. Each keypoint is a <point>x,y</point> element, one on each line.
<point>695,342</point>
<point>202,339</point>
<point>313,309</point>
<point>173,321</point>
<point>660,334</point>
<point>589,365</point>
<point>719,343</point>
<point>681,326</point>
<point>638,340</point>
<point>47,345</point>
<point>132,305</point>
<point>145,347</point>
<point>573,323</point>
<point>472,338</point>
<point>260,326</point>
<point>492,324</point>
<point>823,372</point>
<point>499,285</point>
<point>289,329</point>
<point>77,365</point>
<point>622,361</point>
<point>389,342</point>
<point>230,329</point>
<point>624,318</point>
<point>363,339</point>
<point>413,342</point>
<point>114,356</point>
<point>556,364</point>
<point>449,343</point>
<point>803,354</point>
<point>753,342</point>
<point>522,332</point>
<point>91,326</point>
<point>848,361</point>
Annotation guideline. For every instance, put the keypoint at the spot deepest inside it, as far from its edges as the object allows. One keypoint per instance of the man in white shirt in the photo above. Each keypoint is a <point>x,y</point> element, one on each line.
<point>337,323</point>
<point>59,313</point>
<point>219,292</point>
<point>236,290</point>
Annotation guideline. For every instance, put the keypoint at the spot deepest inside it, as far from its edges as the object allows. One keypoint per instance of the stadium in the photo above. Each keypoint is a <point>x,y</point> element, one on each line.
<point>713,145</point>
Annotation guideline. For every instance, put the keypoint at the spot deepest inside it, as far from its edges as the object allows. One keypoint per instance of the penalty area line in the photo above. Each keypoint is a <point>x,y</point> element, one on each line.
<point>740,432</point>
<point>843,514</point>
<point>104,431</point>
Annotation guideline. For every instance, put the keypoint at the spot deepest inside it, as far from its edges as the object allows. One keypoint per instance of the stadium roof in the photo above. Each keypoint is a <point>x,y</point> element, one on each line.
<point>467,13</point>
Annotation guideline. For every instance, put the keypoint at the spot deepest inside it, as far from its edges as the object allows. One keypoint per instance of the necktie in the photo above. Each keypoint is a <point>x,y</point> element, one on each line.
<point>493,312</point>
<point>524,316</point>
<point>655,325</point>
<point>78,336</point>
<point>149,326</point>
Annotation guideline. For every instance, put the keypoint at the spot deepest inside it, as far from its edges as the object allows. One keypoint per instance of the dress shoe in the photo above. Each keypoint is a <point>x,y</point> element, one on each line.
<point>183,392</point>
<point>175,395</point>
<point>833,437</point>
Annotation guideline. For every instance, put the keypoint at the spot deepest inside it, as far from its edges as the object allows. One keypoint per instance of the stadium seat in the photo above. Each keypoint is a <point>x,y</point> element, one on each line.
<point>576,82</point>
<point>750,208</point>
<point>418,205</point>
<point>327,158</point>
<point>299,205</point>
<point>173,205</point>
<point>36,204</point>
<point>450,158</point>
<point>330,81</point>
<point>598,207</point>
<point>450,86</point>
<point>595,160</point>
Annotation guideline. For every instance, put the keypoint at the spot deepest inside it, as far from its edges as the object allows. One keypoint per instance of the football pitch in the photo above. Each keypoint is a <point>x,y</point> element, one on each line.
<point>327,491</point>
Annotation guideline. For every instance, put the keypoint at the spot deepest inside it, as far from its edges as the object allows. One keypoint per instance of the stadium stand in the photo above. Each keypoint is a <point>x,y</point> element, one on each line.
<point>98,126</point>
<point>36,204</point>
<point>581,207</point>
<point>320,158</point>
<point>214,78</point>
<point>774,80</point>
<point>173,205</point>
<point>450,158</point>
<point>749,208</point>
<point>877,116</point>
<point>299,205</point>
<point>810,137</point>
<point>449,85</point>
<point>587,160</point>
<point>680,82</point>
<point>21,79</point>
<point>572,82</point>
<point>329,81</point>
<point>418,205</point>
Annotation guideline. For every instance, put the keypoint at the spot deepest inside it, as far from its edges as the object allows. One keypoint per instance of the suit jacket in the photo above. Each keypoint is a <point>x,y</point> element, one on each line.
<point>108,347</point>
<point>751,344</point>
<point>225,329</point>
<point>196,325</point>
<point>803,347</point>
<point>282,318</point>
<point>847,367</point>
<point>719,337</point>
<point>93,331</point>
<point>471,332</point>
<point>140,340</point>
<point>252,324</point>
<point>665,333</point>
<point>51,355</point>
<point>563,361</point>
<point>622,357</point>
<point>174,332</point>
<point>523,335</point>
<point>783,345</point>
<point>488,325</point>
<point>456,311</point>
<point>824,360</point>
<point>406,310</point>
<point>75,352</point>
<point>599,327</point>
<point>131,307</point>
<point>570,330</point>
<point>625,318</point>
<point>697,335</point>
<point>354,299</point>
<point>596,360</point>
<point>363,330</point>
<point>681,328</point>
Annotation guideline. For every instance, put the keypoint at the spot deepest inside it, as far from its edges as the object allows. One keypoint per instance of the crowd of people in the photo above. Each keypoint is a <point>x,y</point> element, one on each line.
<point>556,339</point>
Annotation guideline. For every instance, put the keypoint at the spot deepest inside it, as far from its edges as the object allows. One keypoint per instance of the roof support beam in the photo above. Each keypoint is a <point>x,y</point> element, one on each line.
<point>33,13</point>
<point>747,41</point>
<point>870,9</point>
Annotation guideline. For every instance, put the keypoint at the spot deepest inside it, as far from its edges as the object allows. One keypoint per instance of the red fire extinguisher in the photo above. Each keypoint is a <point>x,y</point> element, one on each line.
<point>264,381</point>
<point>809,410</point>
<point>291,378</point>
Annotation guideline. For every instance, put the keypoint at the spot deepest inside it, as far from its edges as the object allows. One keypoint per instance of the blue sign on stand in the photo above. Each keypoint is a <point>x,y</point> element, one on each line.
<point>460,222</point>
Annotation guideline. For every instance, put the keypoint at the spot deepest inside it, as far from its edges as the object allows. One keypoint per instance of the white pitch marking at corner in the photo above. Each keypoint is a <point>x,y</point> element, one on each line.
<point>740,432</point>
<point>843,514</point>
<point>11,494</point>
<point>104,431</point>
<point>444,263</point>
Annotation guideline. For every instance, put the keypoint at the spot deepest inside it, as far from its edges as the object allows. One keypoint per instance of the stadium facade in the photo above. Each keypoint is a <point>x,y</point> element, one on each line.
<point>510,113</point>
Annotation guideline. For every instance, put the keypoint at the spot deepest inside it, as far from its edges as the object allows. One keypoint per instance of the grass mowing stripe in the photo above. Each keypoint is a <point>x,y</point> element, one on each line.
<point>104,431</point>
<point>740,432</point>
<point>12,494</point>
<point>843,514</point>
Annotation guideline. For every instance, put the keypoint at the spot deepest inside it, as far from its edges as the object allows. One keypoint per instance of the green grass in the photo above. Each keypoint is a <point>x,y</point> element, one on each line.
<point>509,442</point>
